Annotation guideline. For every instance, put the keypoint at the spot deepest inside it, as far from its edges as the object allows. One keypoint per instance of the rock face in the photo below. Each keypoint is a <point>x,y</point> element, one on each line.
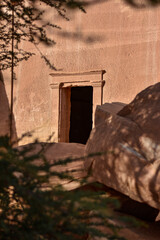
<point>130,144</point>
<point>4,109</point>
<point>5,113</point>
<point>106,110</point>
<point>60,151</point>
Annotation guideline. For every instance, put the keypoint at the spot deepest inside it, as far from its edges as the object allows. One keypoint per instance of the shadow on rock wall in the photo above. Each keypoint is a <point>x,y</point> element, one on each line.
<point>130,141</point>
<point>5,112</point>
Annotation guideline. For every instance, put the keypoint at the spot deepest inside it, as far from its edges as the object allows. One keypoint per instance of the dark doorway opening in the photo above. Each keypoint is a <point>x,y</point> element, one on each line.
<point>81,114</point>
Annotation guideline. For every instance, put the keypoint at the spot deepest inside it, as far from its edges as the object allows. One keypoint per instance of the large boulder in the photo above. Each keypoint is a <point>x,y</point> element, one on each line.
<point>129,143</point>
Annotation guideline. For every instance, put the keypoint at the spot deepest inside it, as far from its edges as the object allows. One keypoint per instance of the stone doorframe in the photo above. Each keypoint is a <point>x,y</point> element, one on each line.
<point>59,82</point>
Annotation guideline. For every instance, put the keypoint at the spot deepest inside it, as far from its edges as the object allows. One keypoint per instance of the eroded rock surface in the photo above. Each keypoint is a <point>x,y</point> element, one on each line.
<point>60,151</point>
<point>130,143</point>
<point>4,109</point>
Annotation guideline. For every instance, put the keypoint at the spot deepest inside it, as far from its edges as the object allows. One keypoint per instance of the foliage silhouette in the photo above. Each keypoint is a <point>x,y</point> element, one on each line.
<point>143,4</point>
<point>33,208</point>
<point>22,20</point>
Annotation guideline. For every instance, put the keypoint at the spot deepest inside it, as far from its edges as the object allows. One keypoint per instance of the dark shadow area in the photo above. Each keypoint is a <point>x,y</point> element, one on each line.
<point>79,36</point>
<point>127,205</point>
<point>132,3</point>
<point>5,112</point>
<point>142,4</point>
<point>81,114</point>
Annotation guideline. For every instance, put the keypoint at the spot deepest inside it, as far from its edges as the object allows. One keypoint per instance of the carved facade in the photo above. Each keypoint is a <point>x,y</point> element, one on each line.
<point>112,44</point>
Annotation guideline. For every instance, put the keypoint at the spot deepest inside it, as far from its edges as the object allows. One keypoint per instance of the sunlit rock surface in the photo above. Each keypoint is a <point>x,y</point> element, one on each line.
<point>111,36</point>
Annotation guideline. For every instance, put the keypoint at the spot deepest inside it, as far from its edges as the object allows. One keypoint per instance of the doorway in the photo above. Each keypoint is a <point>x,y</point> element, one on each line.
<point>81,114</point>
<point>61,85</point>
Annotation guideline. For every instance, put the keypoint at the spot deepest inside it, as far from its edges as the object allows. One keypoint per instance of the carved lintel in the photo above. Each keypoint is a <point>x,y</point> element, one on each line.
<point>67,74</point>
<point>97,83</point>
<point>55,85</point>
<point>80,84</point>
<point>76,84</point>
<point>78,78</point>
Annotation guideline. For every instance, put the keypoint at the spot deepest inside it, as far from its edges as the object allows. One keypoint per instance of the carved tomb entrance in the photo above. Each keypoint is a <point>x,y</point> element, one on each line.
<point>75,96</point>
